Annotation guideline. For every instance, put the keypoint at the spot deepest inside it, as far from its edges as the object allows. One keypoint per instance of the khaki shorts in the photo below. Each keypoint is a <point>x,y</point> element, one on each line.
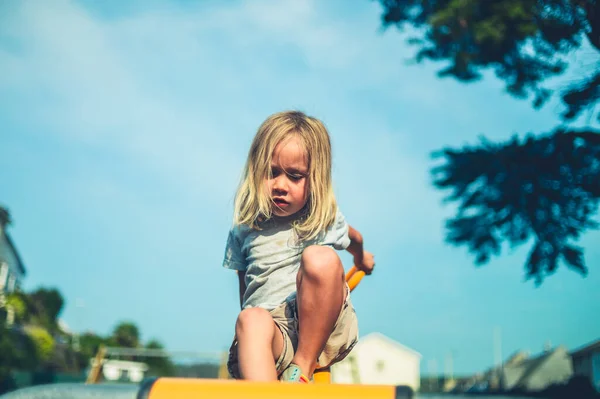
<point>340,342</point>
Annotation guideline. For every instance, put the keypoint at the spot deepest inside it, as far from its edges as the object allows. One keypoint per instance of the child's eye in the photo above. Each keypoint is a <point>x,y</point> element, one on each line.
<point>296,177</point>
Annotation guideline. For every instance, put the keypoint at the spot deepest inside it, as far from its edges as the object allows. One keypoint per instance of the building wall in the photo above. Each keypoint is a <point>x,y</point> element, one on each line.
<point>588,365</point>
<point>511,376</point>
<point>582,365</point>
<point>379,361</point>
<point>596,370</point>
<point>343,372</point>
<point>379,365</point>
<point>10,274</point>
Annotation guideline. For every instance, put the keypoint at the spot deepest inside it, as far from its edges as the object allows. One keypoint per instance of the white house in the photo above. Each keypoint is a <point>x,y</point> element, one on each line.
<point>122,370</point>
<point>12,270</point>
<point>377,359</point>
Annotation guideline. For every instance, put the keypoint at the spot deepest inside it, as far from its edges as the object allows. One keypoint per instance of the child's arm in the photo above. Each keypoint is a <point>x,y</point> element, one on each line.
<point>363,260</point>
<point>242,281</point>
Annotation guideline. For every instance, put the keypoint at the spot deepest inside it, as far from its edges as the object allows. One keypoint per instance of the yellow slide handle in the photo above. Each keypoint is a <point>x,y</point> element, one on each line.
<point>353,277</point>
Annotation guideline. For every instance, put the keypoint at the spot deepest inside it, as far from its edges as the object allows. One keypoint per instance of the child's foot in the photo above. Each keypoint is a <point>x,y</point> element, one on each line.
<point>293,374</point>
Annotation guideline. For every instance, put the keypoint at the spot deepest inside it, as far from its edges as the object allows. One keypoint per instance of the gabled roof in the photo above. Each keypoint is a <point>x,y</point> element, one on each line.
<point>523,371</point>
<point>587,348</point>
<point>17,256</point>
<point>532,365</point>
<point>376,336</point>
<point>5,221</point>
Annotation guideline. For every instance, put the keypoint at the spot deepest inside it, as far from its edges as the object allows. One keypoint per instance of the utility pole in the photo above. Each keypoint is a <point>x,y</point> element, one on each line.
<point>498,354</point>
<point>79,305</point>
<point>432,366</point>
<point>497,346</point>
<point>449,366</point>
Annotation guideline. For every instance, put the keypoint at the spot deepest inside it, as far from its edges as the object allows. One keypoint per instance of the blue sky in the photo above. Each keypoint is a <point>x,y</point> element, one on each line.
<point>124,131</point>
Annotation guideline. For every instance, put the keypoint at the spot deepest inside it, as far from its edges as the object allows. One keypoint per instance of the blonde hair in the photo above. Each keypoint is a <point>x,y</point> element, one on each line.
<point>253,203</point>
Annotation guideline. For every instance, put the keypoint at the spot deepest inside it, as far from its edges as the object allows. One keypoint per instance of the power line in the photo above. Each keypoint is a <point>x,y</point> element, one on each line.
<point>116,351</point>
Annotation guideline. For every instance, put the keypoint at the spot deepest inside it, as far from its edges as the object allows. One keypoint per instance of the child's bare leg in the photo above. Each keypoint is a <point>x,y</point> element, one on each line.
<point>320,295</point>
<point>260,343</point>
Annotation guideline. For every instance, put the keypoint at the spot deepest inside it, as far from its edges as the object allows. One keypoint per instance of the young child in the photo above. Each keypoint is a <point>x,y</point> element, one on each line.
<point>296,310</point>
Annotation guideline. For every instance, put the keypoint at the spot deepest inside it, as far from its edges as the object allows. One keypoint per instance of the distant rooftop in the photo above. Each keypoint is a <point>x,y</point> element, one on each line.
<point>587,348</point>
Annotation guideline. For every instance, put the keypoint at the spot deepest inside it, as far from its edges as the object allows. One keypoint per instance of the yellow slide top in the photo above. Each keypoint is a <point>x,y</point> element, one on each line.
<point>187,388</point>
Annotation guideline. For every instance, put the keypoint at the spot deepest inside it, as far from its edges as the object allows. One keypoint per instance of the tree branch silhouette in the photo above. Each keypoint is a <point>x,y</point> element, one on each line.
<point>542,188</point>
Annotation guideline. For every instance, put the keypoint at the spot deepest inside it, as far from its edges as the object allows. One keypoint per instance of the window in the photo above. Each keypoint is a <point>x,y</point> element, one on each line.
<point>11,283</point>
<point>3,274</point>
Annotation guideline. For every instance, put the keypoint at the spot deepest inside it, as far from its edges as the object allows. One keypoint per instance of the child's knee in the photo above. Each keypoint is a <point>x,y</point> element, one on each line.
<point>252,318</point>
<point>321,261</point>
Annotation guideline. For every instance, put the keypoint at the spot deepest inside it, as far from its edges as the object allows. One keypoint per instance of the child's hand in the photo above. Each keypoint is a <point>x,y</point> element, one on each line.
<point>366,263</point>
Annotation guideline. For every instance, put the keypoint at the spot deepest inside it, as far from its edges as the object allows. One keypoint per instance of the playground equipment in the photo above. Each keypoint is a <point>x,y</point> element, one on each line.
<point>221,388</point>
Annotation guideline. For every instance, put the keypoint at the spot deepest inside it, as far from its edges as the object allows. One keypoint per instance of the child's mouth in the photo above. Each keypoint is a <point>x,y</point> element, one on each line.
<point>280,202</point>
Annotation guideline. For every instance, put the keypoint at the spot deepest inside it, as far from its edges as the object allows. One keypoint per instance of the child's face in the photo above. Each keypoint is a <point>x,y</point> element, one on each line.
<point>288,188</point>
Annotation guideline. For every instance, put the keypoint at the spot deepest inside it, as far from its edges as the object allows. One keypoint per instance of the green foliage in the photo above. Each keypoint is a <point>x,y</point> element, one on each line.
<point>40,307</point>
<point>126,334</point>
<point>89,344</point>
<point>541,188</point>
<point>524,42</point>
<point>159,366</point>
<point>18,302</point>
<point>43,341</point>
<point>46,305</point>
<point>7,349</point>
<point>544,188</point>
<point>31,344</point>
<point>582,95</point>
<point>18,350</point>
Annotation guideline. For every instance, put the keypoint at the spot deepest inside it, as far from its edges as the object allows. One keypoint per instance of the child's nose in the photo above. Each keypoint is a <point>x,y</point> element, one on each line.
<point>279,184</point>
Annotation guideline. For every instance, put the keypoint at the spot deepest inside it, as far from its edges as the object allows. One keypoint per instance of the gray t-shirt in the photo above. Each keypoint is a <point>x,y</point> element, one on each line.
<point>271,258</point>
